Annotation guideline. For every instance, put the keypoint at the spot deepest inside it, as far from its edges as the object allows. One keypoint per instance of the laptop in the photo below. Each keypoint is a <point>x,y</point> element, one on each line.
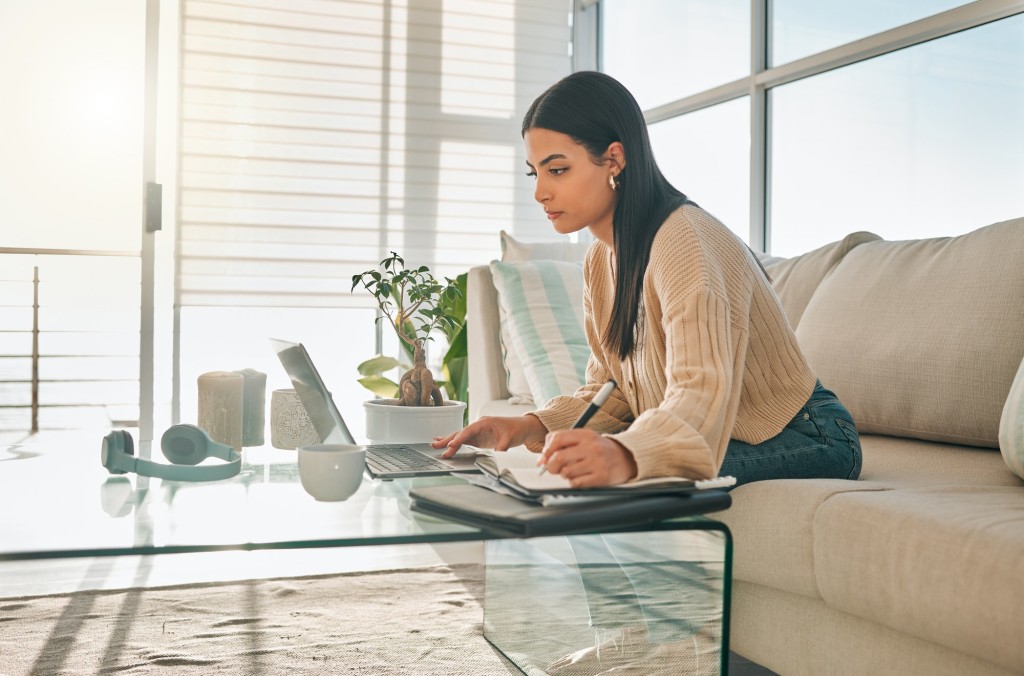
<point>386,461</point>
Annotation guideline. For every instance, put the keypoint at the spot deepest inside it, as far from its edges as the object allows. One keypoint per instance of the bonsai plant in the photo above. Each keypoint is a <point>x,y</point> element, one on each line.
<point>416,305</point>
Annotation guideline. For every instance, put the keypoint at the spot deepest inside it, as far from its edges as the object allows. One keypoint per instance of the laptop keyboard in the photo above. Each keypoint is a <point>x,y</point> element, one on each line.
<point>398,458</point>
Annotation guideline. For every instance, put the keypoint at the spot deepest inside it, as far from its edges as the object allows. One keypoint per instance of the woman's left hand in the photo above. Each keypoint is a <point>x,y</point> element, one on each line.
<point>587,459</point>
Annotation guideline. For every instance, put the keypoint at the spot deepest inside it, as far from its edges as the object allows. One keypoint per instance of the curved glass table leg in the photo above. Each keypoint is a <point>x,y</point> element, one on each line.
<point>653,602</point>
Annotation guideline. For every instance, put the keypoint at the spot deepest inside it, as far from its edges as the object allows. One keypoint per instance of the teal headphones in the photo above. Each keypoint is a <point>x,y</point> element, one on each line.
<point>183,446</point>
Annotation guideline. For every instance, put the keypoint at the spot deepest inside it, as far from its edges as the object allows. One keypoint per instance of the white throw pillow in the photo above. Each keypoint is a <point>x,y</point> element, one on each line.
<point>543,305</point>
<point>515,251</point>
<point>1011,426</point>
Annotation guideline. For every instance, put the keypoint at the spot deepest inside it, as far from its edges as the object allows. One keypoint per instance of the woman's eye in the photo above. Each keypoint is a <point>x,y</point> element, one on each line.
<point>558,171</point>
<point>532,174</point>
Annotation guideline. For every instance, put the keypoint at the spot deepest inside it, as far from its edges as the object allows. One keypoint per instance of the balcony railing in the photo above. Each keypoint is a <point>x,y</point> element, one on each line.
<point>69,339</point>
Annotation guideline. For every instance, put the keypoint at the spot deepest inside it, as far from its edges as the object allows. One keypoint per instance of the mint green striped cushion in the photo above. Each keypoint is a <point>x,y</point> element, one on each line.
<point>1011,426</point>
<point>543,305</point>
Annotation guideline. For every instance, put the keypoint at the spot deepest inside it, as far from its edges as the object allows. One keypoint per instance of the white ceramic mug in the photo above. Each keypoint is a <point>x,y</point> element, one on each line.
<point>331,472</point>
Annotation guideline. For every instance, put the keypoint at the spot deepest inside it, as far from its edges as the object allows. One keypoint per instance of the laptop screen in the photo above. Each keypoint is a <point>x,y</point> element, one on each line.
<point>313,394</point>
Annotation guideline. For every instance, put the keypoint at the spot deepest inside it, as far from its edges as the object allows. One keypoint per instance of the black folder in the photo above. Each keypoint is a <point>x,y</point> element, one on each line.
<point>505,515</point>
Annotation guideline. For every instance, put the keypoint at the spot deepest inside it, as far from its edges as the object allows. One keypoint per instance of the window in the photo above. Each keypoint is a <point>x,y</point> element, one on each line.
<point>803,27</point>
<point>316,139</point>
<point>666,49</point>
<point>707,155</point>
<point>899,118</point>
<point>923,142</point>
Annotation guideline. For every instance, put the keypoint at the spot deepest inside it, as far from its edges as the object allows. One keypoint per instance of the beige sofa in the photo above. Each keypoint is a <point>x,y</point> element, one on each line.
<point>918,567</point>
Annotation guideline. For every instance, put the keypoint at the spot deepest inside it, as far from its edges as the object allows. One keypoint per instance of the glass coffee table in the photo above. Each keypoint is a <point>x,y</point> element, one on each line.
<point>655,598</point>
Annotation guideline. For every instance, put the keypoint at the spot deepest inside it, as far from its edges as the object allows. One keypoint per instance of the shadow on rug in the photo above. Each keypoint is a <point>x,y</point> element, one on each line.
<point>414,621</point>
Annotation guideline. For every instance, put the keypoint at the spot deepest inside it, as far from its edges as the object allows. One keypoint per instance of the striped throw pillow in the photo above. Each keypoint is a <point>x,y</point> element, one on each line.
<point>543,305</point>
<point>515,251</point>
<point>1011,426</point>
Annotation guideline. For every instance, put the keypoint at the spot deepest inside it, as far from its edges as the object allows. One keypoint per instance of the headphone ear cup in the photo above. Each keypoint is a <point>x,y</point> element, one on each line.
<point>115,446</point>
<point>185,444</point>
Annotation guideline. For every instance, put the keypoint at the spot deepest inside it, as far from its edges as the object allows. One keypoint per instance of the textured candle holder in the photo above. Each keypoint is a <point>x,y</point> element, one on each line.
<point>290,426</point>
<point>220,406</point>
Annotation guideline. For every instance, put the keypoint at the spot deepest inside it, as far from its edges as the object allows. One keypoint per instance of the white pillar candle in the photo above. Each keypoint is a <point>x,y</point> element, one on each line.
<point>254,401</point>
<point>220,406</point>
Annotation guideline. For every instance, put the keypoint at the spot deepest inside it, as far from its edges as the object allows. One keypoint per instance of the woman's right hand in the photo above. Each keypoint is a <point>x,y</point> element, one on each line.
<point>499,433</point>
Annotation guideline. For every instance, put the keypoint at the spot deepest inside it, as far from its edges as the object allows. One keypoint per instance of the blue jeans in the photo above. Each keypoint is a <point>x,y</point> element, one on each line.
<point>820,442</point>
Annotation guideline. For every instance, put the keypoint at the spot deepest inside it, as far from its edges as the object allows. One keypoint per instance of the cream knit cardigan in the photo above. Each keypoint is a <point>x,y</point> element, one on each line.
<point>717,359</point>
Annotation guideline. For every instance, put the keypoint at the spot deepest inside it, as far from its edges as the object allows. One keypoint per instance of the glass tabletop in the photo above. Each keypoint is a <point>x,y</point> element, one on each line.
<point>58,501</point>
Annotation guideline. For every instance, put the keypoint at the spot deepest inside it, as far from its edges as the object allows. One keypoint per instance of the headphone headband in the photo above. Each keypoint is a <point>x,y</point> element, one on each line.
<point>183,445</point>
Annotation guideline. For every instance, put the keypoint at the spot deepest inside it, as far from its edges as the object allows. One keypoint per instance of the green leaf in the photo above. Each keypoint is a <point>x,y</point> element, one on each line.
<point>458,346</point>
<point>377,365</point>
<point>454,301</point>
<point>380,386</point>
<point>458,382</point>
<point>455,367</point>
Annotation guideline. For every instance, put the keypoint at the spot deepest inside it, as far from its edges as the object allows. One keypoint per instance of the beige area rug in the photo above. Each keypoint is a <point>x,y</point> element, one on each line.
<point>412,621</point>
<point>416,621</point>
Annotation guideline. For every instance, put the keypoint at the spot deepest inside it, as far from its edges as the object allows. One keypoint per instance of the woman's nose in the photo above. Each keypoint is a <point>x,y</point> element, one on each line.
<point>540,192</point>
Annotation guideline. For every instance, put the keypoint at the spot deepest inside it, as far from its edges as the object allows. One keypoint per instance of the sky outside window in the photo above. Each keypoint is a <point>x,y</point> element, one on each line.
<point>923,142</point>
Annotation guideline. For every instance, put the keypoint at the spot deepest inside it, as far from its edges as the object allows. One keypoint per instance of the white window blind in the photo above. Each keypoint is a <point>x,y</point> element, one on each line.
<point>317,135</point>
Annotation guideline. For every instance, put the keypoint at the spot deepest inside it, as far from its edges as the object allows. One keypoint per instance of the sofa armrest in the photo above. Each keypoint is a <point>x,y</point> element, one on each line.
<point>487,378</point>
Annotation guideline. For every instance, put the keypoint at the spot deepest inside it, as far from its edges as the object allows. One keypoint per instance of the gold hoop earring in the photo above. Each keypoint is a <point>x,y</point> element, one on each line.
<point>612,183</point>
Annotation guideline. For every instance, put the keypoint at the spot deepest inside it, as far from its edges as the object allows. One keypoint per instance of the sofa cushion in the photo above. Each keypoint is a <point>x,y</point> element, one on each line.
<point>543,304</point>
<point>905,463</point>
<point>516,251</point>
<point>779,552</point>
<point>943,563</point>
<point>1011,425</point>
<point>799,636</point>
<point>922,338</point>
<point>795,279</point>
<point>503,407</point>
<point>772,523</point>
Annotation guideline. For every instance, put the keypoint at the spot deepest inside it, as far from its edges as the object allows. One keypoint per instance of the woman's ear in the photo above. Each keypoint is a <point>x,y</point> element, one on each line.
<point>616,155</point>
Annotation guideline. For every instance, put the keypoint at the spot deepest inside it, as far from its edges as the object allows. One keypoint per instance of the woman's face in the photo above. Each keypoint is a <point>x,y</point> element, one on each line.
<point>573,191</point>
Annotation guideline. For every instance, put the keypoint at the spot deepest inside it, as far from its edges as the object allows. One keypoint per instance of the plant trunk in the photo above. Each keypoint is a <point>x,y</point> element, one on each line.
<point>417,387</point>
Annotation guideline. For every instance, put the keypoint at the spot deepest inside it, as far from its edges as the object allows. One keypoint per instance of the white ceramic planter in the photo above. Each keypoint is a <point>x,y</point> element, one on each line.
<point>389,423</point>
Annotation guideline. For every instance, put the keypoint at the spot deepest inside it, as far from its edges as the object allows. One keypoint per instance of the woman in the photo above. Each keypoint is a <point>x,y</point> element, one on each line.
<point>678,311</point>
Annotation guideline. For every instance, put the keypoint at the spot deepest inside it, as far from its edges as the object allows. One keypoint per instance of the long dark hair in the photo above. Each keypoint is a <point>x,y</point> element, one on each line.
<point>595,110</point>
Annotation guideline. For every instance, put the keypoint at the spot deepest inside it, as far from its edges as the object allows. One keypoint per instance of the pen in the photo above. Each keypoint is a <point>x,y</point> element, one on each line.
<point>595,405</point>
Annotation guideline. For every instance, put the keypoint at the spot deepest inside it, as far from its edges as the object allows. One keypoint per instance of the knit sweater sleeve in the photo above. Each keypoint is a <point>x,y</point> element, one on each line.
<point>687,434</point>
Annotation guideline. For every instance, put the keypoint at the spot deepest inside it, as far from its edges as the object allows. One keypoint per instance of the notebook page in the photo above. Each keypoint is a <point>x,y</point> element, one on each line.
<point>516,459</point>
<point>530,479</point>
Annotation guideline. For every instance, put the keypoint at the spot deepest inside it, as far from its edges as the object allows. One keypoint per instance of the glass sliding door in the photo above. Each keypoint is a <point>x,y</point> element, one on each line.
<point>72,268</point>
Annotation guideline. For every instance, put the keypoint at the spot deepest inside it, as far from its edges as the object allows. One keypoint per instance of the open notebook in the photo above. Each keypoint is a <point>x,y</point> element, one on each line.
<point>519,474</point>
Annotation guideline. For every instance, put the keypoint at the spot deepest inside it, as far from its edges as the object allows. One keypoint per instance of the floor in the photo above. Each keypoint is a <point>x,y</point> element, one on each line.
<point>69,575</point>
<point>62,576</point>
<point>739,666</point>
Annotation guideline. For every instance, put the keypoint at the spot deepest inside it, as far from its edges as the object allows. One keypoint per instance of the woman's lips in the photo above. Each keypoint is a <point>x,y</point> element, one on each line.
<point>552,215</point>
